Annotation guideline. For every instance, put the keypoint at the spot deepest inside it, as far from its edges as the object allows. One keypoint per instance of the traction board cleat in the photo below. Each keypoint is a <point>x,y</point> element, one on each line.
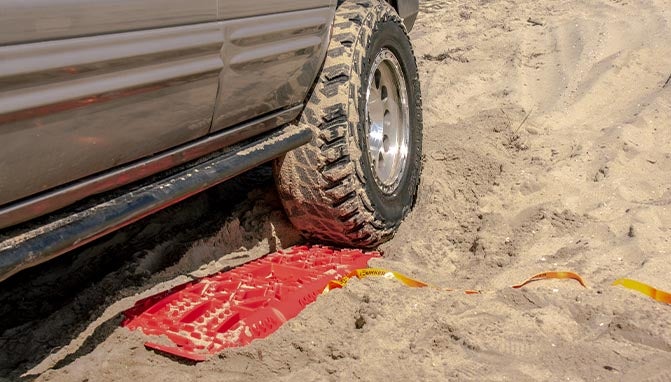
<point>232,308</point>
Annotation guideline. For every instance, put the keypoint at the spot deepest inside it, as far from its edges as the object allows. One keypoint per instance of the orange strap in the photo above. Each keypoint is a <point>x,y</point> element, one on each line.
<point>653,293</point>
<point>378,272</point>
<point>552,275</point>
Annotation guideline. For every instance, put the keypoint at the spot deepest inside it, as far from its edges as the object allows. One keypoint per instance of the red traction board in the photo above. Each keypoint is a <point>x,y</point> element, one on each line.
<point>232,308</point>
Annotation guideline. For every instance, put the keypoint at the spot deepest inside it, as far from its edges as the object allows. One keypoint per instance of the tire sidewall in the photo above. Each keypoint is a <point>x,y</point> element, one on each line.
<point>392,207</point>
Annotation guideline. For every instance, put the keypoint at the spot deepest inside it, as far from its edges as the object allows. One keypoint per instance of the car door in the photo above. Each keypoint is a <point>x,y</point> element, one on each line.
<point>89,85</point>
<point>273,50</point>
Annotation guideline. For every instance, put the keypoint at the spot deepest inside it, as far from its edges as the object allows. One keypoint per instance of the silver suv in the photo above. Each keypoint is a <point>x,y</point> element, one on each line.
<point>112,110</point>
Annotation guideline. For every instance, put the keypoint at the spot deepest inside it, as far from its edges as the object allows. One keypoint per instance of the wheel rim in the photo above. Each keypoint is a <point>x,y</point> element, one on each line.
<point>388,125</point>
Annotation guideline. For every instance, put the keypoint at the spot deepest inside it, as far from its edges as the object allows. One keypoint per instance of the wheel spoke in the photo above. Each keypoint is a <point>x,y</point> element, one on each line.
<point>388,129</point>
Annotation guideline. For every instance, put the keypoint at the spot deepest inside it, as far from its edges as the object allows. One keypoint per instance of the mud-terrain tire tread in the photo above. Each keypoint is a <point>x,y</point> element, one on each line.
<point>322,184</point>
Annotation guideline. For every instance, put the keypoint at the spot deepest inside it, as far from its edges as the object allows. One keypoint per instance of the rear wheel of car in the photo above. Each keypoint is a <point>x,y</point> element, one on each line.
<point>358,178</point>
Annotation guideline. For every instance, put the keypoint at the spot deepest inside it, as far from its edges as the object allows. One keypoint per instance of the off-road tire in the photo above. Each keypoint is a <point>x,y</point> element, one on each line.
<point>327,187</point>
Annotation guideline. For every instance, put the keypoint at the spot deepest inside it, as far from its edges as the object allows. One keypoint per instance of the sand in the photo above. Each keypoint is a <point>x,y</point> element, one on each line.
<point>547,147</point>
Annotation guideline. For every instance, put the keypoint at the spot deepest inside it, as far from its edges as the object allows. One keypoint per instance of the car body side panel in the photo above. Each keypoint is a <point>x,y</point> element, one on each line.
<point>63,196</point>
<point>270,62</point>
<point>72,108</point>
<point>40,20</point>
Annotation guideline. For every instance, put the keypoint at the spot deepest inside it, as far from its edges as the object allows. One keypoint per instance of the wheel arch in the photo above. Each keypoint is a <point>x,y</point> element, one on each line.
<point>407,9</point>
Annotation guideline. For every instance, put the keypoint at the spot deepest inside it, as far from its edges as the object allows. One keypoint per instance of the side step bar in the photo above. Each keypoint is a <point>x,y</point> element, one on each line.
<point>53,239</point>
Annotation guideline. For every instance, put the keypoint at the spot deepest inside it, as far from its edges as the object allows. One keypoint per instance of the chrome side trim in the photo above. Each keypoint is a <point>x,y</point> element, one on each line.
<point>46,242</point>
<point>53,200</point>
<point>270,61</point>
<point>270,32</point>
<point>33,97</point>
<point>40,56</point>
<point>238,9</point>
<point>274,54</point>
<point>39,20</point>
